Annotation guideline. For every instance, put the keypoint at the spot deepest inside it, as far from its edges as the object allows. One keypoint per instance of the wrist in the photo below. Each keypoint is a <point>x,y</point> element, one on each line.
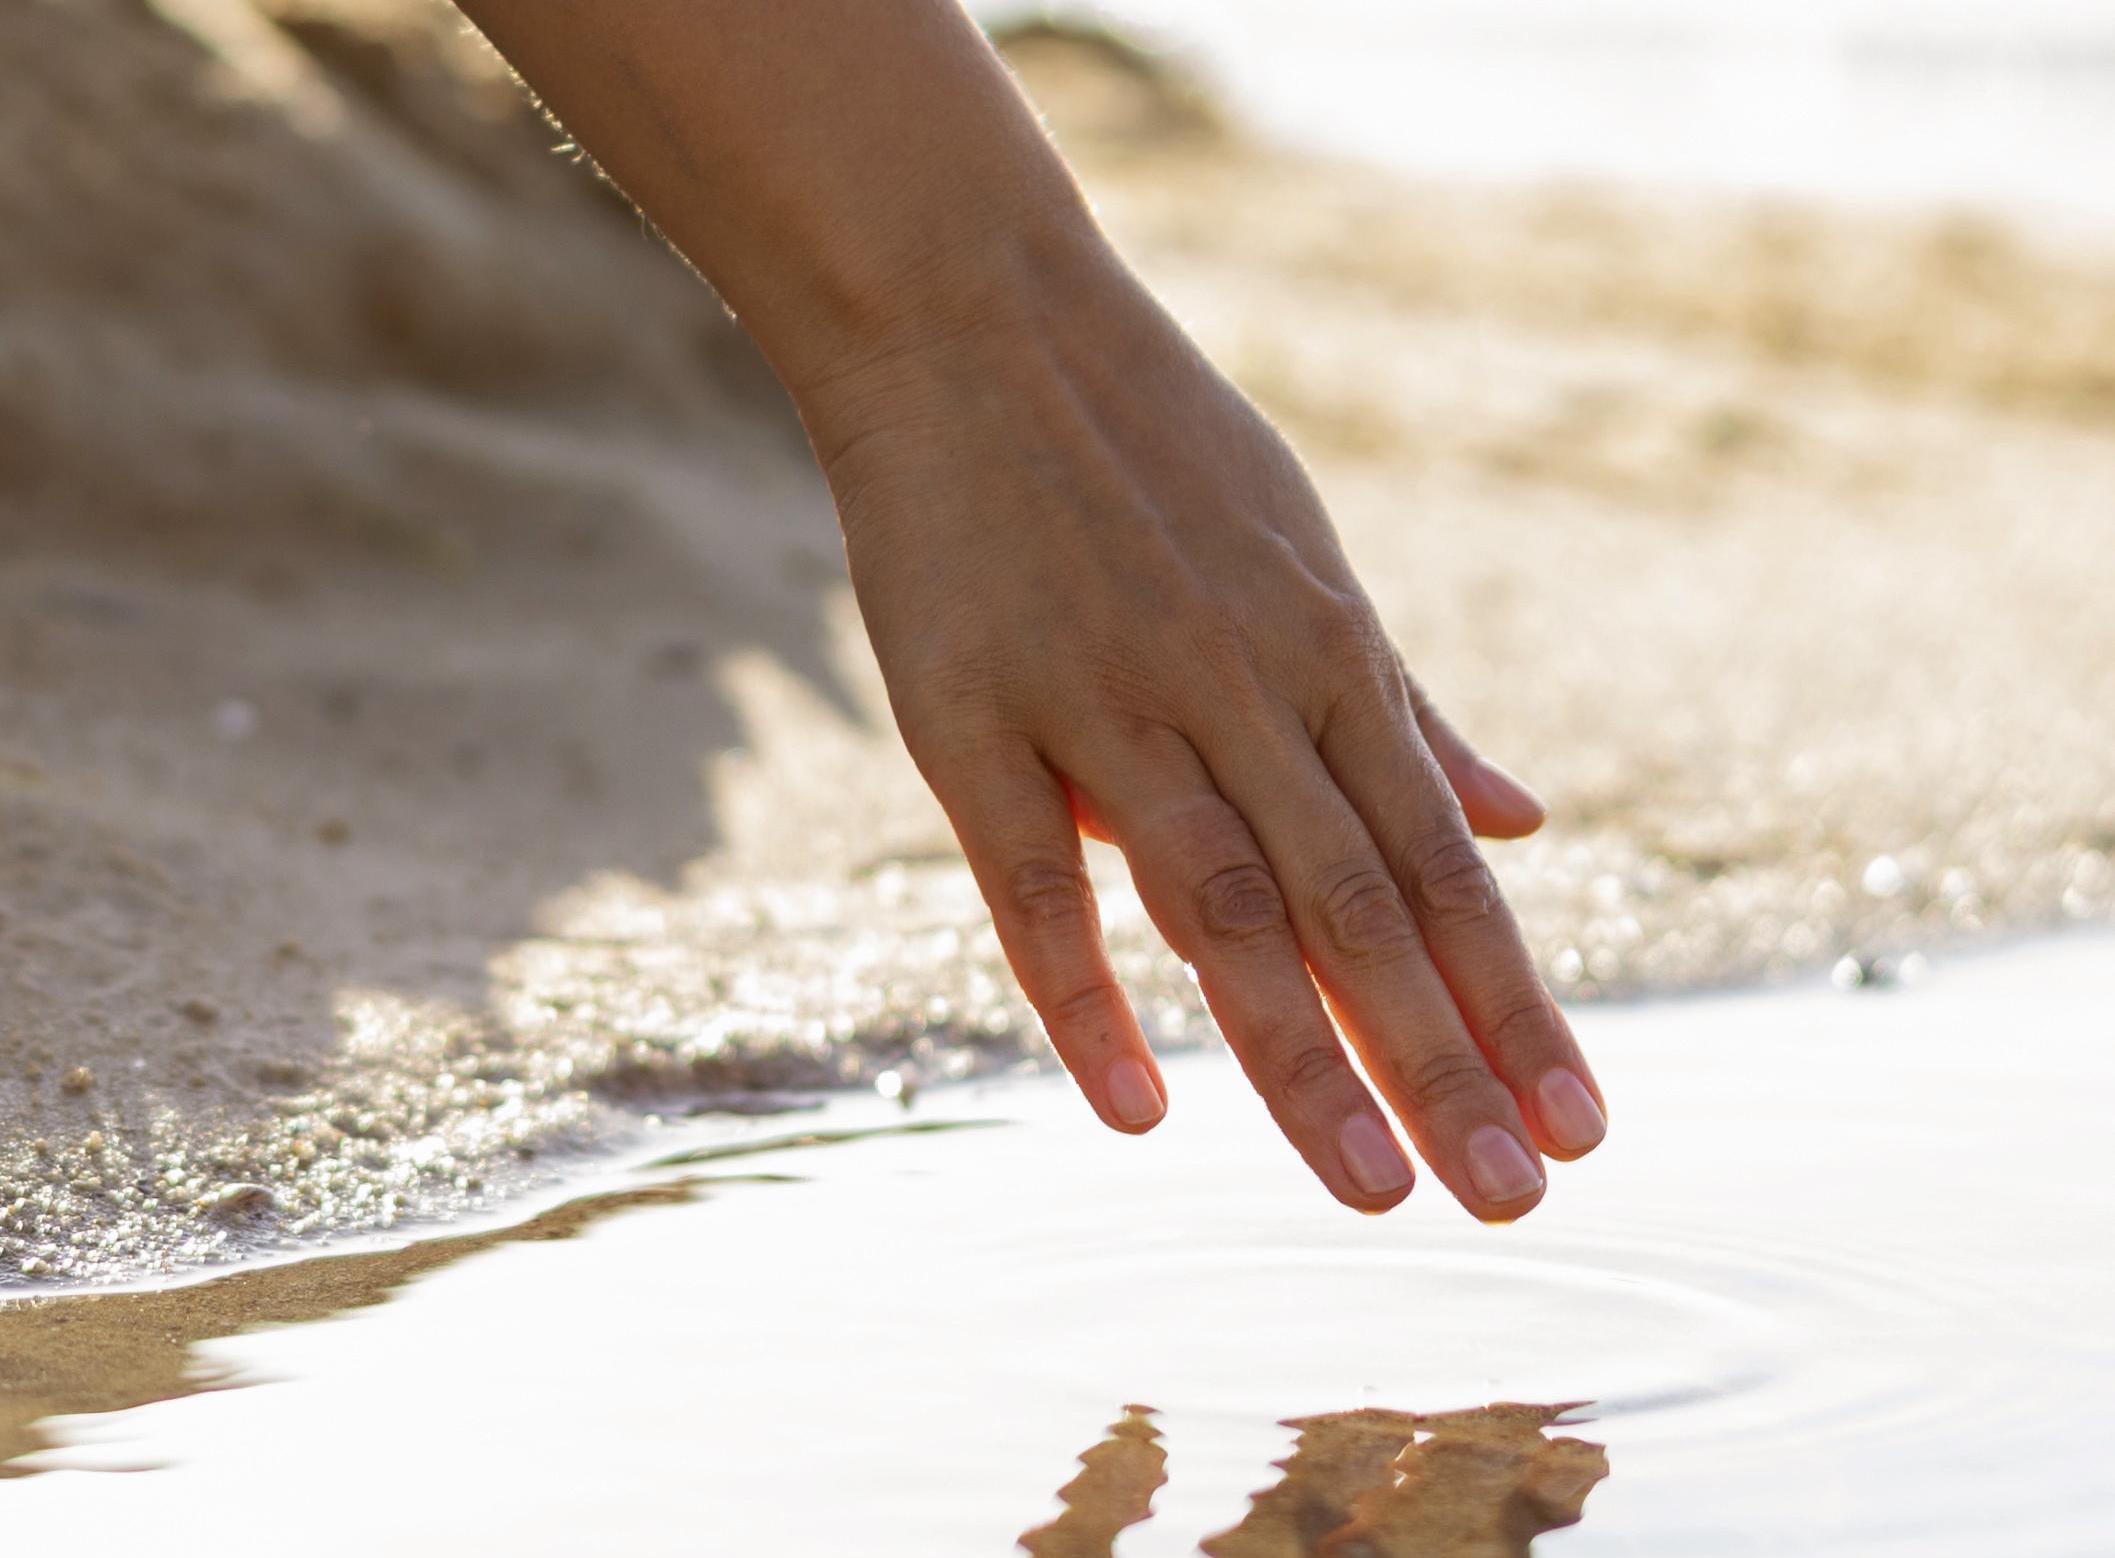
<point>892,322</point>
<point>1007,327</point>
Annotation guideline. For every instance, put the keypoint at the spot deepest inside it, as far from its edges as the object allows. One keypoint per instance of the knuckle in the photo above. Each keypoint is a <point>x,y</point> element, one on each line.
<point>1308,1068</point>
<point>1361,707</point>
<point>1346,709</point>
<point>958,724</point>
<point>1240,903</point>
<point>1452,880</point>
<point>1223,648</point>
<point>1047,893</point>
<point>1122,681</point>
<point>1439,1080</point>
<point>1083,1009</point>
<point>1361,913</point>
<point>1524,1026</point>
<point>1341,626</point>
<point>1348,634</point>
<point>1420,701</point>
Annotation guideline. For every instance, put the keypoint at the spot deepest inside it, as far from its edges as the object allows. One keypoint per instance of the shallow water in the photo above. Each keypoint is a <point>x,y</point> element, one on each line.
<point>1840,1282</point>
<point>1897,102</point>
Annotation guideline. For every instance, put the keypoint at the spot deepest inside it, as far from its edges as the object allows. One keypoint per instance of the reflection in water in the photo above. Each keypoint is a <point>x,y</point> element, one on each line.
<point>106,1352</point>
<point>1367,1484</point>
<point>719,1152</point>
<point>787,1373</point>
<point>1116,1490</point>
<point>1363,1484</point>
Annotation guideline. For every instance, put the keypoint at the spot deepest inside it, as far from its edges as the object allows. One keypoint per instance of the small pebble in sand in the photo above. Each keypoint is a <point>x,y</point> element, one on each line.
<point>92,1142</point>
<point>1883,877</point>
<point>78,1080</point>
<point>232,1202</point>
<point>333,831</point>
<point>199,1011</point>
<point>1853,972</point>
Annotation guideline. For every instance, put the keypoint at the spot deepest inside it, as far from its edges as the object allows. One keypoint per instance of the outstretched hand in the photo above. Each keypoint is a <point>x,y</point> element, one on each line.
<point>1104,596</point>
<point>1107,601</point>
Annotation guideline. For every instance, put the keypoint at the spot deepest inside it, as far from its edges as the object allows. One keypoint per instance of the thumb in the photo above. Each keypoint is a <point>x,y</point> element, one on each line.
<point>1496,804</point>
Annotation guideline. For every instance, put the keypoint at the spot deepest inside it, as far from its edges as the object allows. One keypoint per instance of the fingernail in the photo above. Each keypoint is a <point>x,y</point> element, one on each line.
<point>1500,1167</point>
<point>1569,1112</point>
<point>1508,792</point>
<point>1371,1157</point>
<point>1132,1094</point>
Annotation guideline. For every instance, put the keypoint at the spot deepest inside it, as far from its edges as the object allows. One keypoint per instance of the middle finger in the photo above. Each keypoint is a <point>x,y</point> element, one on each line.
<point>1365,948</point>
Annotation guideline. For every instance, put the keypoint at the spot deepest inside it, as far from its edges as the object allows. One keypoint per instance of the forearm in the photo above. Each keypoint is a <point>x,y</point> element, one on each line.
<point>1101,590</point>
<point>852,175</point>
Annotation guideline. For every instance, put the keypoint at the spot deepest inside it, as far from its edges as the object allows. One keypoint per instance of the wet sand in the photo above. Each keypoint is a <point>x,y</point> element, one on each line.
<point>434,735</point>
<point>1836,1286</point>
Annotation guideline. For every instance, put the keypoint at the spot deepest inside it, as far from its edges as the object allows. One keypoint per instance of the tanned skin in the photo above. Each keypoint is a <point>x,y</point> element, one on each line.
<point>1103,593</point>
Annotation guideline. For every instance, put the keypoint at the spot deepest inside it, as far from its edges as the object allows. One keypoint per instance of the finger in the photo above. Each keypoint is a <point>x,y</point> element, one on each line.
<point>1497,805</point>
<point>1359,937</point>
<point>1381,764</point>
<point>1084,815</point>
<point>1208,888</point>
<point>1010,813</point>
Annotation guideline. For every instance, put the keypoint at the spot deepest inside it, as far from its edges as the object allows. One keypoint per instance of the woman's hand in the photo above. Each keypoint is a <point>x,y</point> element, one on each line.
<point>1103,593</point>
<point>1107,601</point>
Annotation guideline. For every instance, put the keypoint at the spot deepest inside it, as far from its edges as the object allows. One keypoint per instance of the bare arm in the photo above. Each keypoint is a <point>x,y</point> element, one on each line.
<point>1102,592</point>
<point>850,176</point>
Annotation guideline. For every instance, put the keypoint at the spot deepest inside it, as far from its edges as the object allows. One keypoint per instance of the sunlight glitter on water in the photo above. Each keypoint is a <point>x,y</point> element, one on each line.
<point>1838,1284</point>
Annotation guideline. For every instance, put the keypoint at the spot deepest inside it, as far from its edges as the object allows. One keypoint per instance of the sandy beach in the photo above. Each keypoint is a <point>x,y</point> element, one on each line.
<point>435,736</point>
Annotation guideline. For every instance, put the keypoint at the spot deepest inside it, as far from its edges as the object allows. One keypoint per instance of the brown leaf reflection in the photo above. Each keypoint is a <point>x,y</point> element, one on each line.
<point>1482,1483</point>
<point>1115,1490</point>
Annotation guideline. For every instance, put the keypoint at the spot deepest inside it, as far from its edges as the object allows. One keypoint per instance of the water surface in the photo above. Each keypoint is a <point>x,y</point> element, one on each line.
<point>2005,106</point>
<point>1840,1283</point>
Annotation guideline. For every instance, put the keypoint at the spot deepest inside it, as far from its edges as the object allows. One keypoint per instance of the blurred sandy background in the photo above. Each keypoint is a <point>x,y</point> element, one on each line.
<point>433,729</point>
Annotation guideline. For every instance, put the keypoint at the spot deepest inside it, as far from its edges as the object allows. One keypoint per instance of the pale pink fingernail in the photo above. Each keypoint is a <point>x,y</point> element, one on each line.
<point>1569,1113</point>
<point>1509,792</point>
<point>1500,1167</point>
<point>1371,1157</point>
<point>1132,1094</point>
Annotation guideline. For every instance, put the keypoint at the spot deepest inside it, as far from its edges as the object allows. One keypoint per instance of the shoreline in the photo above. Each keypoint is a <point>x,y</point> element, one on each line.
<point>576,1186</point>
<point>711,1352</point>
<point>433,778</point>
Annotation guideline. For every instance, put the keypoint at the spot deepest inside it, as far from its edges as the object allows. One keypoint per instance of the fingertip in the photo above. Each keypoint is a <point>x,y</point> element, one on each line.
<point>1502,807</point>
<point>1376,1174</point>
<point>1369,1206</point>
<point>1373,1159</point>
<point>1505,1174</point>
<point>1136,1102</point>
<point>1500,1216</point>
<point>1571,1116</point>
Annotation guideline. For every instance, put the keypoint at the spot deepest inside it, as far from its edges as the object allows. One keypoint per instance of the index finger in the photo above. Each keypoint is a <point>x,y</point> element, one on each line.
<point>1017,828</point>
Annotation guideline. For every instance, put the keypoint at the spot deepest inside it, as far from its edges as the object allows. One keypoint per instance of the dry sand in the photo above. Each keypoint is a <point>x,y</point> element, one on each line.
<point>433,728</point>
